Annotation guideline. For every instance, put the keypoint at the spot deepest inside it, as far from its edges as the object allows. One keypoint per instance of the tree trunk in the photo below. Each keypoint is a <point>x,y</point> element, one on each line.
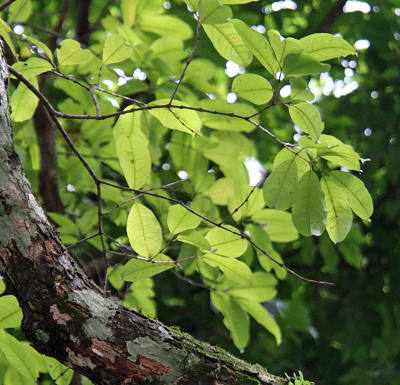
<point>68,317</point>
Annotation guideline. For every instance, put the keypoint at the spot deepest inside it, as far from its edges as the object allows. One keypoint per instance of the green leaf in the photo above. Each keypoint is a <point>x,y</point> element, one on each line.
<point>194,238</point>
<point>253,88</point>
<point>129,124</point>
<point>235,319</point>
<point>308,212</point>
<point>228,43</point>
<point>144,231</point>
<point>211,12</point>
<point>128,8</point>
<point>258,45</point>
<point>234,269</point>
<point>220,191</point>
<point>225,243</point>
<point>116,50</point>
<point>358,196</point>
<point>137,269</point>
<point>10,312</point>
<point>41,45</point>
<point>20,10</point>
<point>169,49</point>
<point>299,64</point>
<point>324,46</point>
<point>332,149</point>
<point>297,155</point>
<point>4,33</point>
<point>279,186</point>
<point>71,53</point>
<point>299,93</point>
<point>261,288</point>
<point>166,25</point>
<point>19,356</point>
<point>282,47</point>
<point>56,368</point>
<point>308,118</point>
<point>177,119</point>
<point>134,158</point>
<point>261,315</point>
<point>23,102</point>
<point>2,286</point>
<point>32,67</point>
<point>278,225</point>
<point>237,1</point>
<point>13,377</point>
<point>179,219</point>
<point>339,216</point>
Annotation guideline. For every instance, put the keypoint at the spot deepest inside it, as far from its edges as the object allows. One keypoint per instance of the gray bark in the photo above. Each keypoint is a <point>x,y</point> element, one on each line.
<point>68,317</point>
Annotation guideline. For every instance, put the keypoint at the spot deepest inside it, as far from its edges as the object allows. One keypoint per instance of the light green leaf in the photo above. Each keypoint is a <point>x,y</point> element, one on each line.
<point>10,312</point>
<point>308,212</point>
<point>278,225</point>
<point>234,269</point>
<point>19,356</point>
<point>279,186</point>
<point>332,149</point>
<point>282,47</point>
<point>128,8</point>
<point>211,12</point>
<point>23,102</point>
<point>237,1</point>
<point>261,288</point>
<point>129,124</point>
<point>225,243</point>
<point>71,53</point>
<point>194,238</point>
<point>302,64</point>
<point>299,92</point>
<point>134,158</point>
<point>324,46</point>
<point>299,157</point>
<point>2,286</point>
<point>220,191</point>
<point>20,10</point>
<point>114,276</point>
<point>166,25</point>
<point>116,50</point>
<point>235,319</point>
<point>258,45</point>
<point>253,88</point>
<point>339,216</point>
<point>179,219</point>
<point>41,45</point>
<point>32,67</point>
<point>308,118</point>
<point>13,377</point>
<point>228,43</point>
<point>177,119</point>
<point>144,231</point>
<point>4,33</point>
<point>137,269</point>
<point>169,49</point>
<point>55,369</point>
<point>359,198</point>
<point>261,315</point>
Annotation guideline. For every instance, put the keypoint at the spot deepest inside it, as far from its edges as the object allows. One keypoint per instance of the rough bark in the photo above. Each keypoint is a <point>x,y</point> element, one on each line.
<point>68,317</point>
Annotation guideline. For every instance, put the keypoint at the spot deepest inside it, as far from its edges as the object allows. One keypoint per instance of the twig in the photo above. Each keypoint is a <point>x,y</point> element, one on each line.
<point>83,240</point>
<point>6,4</point>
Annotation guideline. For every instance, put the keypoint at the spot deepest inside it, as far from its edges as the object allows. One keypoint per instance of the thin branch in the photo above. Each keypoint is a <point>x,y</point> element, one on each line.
<point>6,4</point>
<point>190,281</point>
<point>83,240</point>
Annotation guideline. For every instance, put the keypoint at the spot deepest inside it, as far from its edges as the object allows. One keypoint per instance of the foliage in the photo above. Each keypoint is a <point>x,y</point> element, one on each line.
<point>168,189</point>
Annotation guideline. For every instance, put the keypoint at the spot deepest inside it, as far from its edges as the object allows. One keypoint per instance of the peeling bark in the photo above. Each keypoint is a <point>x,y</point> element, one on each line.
<point>68,317</point>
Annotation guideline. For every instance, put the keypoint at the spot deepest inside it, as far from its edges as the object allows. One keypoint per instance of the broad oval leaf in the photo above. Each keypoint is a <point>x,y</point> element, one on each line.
<point>298,156</point>
<point>70,53</point>
<point>211,12</point>
<point>253,88</point>
<point>144,231</point>
<point>194,238</point>
<point>134,158</point>
<point>175,118</point>
<point>32,67</point>
<point>10,312</point>
<point>228,43</point>
<point>339,216</point>
<point>136,269</point>
<point>308,118</point>
<point>359,198</point>
<point>116,50</point>
<point>235,319</point>
<point>298,64</point>
<point>225,243</point>
<point>308,212</point>
<point>20,10</point>
<point>128,8</point>
<point>258,45</point>
<point>165,25</point>
<point>278,225</point>
<point>179,219</point>
<point>23,102</point>
<point>234,269</point>
<point>261,315</point>
<point>5,30</point>
<point>279,186</point>
<point>59,372</point>
<point>324,46</point>
<point>282,47</point>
